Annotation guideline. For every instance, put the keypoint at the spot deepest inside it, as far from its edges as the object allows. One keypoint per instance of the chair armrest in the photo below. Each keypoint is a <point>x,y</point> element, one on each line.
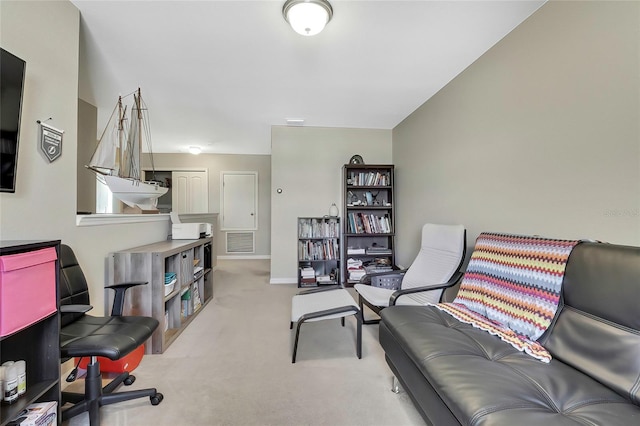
<point>127,285</point>
<point>321,289</point>
<point>75,309</point>
<point>118,299</point>
<point>366,279</point>
<point>453,281</point>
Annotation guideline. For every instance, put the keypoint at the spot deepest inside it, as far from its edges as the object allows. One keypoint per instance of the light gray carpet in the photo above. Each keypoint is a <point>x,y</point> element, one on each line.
<point>232,366</point>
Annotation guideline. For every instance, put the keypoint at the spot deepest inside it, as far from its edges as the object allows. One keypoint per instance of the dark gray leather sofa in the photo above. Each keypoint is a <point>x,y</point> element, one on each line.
<point>457,374</point>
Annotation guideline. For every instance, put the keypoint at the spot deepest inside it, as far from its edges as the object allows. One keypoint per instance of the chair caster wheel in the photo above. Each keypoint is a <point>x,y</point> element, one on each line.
<point>156,399</point>
<point>129,380</point>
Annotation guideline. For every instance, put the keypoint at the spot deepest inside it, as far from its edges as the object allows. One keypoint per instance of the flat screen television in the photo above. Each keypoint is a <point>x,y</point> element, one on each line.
<point>11,88</point>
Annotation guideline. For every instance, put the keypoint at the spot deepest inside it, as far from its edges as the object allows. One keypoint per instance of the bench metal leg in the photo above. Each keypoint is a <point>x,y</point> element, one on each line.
<point>295,343</point>
<point>359,321</point>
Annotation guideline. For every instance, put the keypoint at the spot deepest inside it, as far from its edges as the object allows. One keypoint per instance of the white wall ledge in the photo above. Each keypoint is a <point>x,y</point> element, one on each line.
<point>119,219</point>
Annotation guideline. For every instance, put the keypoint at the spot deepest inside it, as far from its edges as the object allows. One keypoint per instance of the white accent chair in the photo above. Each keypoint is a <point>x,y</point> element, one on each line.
<point>436,267</point>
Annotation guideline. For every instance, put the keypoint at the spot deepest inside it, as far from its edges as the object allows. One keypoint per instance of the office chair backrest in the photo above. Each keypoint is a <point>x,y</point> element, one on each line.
<point>73,284</point>
<point>440,256</point>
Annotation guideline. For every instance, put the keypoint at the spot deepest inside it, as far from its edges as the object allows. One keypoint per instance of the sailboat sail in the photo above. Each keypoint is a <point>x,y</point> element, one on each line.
<point>117,157</point>
<point>104,159</point>
<point>130,158</point>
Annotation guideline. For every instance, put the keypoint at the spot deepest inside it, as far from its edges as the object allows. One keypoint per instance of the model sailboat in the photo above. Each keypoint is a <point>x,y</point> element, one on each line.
<point>117,157</point>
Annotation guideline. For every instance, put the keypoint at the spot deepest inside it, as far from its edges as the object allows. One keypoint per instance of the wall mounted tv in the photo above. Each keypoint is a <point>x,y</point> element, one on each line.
<point>11,87</point>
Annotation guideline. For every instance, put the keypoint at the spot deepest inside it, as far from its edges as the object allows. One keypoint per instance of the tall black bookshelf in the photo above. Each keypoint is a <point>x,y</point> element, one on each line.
<point>368,219</point>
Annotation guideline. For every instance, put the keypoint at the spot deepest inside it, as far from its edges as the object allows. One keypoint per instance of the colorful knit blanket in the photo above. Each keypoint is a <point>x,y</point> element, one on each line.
<point>511,288</point>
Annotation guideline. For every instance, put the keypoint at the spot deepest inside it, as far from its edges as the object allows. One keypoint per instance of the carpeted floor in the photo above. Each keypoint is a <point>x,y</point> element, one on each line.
<point>232,366</point>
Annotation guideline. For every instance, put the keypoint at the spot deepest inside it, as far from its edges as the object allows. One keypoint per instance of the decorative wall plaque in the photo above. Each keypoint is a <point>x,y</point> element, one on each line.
<point>50,141</point>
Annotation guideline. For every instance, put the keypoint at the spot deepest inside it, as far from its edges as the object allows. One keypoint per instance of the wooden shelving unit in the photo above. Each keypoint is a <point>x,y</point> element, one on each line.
<point>37,344</point>
<point>318,251</point>
<point>368,217</point>
<point>189,260</point>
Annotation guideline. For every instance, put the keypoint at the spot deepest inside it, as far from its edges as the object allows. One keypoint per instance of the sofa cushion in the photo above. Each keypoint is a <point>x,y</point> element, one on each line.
<point>485,381</point>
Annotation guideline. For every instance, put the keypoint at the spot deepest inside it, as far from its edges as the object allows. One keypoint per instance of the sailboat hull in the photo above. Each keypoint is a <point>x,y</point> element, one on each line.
<point>135,193</point>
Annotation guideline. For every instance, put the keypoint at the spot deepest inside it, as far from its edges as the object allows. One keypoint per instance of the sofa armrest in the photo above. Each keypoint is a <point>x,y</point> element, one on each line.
<point>453,281</point>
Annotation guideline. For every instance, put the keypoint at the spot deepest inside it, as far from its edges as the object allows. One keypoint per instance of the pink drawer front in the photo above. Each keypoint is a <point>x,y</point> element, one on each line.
<point>27,288</point>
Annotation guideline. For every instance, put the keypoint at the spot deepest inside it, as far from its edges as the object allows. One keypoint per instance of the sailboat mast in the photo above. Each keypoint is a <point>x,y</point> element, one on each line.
<point>120,133</point>
<point>140,138</point>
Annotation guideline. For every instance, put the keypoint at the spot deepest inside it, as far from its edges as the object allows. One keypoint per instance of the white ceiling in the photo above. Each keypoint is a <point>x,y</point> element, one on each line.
<point>219,74</point>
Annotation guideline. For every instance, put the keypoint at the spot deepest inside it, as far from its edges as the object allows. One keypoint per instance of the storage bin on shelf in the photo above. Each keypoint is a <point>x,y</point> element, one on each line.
<point>27,288</point>
<point>170,279</point>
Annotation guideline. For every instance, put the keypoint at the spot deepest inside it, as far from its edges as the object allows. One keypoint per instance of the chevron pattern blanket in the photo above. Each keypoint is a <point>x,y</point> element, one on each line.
<point>511,288</point>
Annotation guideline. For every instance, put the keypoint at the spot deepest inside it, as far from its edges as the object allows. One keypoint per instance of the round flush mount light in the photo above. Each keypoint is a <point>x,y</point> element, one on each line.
<point>195,150</point>
<point>307,17</point>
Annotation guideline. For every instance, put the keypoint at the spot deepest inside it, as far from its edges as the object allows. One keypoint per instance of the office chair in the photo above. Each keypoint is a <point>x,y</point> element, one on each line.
<point>83,335</point>
<point>435,268</point>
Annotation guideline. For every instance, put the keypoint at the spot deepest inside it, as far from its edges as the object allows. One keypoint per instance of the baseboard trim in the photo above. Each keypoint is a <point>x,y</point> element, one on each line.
<point>246,257</point>
<point>283,281</point>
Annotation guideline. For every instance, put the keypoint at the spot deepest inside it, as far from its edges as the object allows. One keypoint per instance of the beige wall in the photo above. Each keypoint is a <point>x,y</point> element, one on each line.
<point>45,35</point>
<point>216,163</point>
<point>87,132</point>
<point>538,136</point>
<point>306,162</point>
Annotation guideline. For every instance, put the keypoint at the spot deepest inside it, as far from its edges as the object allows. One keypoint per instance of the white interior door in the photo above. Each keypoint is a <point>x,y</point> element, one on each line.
<point>189,192</point>
<point>239,200</point>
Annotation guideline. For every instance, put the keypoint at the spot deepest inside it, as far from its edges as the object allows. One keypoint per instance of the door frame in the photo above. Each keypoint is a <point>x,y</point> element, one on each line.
<point>255,185</point>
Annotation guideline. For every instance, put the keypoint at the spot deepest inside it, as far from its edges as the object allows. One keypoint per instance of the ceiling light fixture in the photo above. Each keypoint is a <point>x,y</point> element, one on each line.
<point>307,17</point>
<point>195,150</point>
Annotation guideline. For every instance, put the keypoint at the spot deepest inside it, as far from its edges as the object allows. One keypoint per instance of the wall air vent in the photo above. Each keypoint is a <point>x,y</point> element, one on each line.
<point>241,242</point>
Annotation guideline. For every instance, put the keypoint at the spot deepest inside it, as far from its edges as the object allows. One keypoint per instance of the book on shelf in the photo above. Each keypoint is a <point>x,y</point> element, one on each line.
<point>355,269</point>
<point>374,251</point>
<point>308,282</point>
<point>197,270</point>
<point>318,228</point>
<point>356,274</point>
<point>326,249</point>
<point>355,250</point>
<point>325,279</point>
<point>370,179</point>
<point>372,269</point>
<point>307,273</point>
<point>363,223</point>
<point>197,303</point>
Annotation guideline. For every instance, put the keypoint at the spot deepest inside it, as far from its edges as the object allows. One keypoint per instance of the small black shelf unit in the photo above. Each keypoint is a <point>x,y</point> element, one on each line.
<point>318,251</point>
<point>37,344</point>
<point>368,218</point>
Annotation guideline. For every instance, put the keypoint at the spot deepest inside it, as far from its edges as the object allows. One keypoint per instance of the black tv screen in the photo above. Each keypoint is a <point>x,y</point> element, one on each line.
<point>11,86</point>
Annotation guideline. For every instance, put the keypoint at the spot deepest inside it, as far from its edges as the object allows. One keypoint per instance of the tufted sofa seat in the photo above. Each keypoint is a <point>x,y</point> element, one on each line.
<point>458,374</point>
